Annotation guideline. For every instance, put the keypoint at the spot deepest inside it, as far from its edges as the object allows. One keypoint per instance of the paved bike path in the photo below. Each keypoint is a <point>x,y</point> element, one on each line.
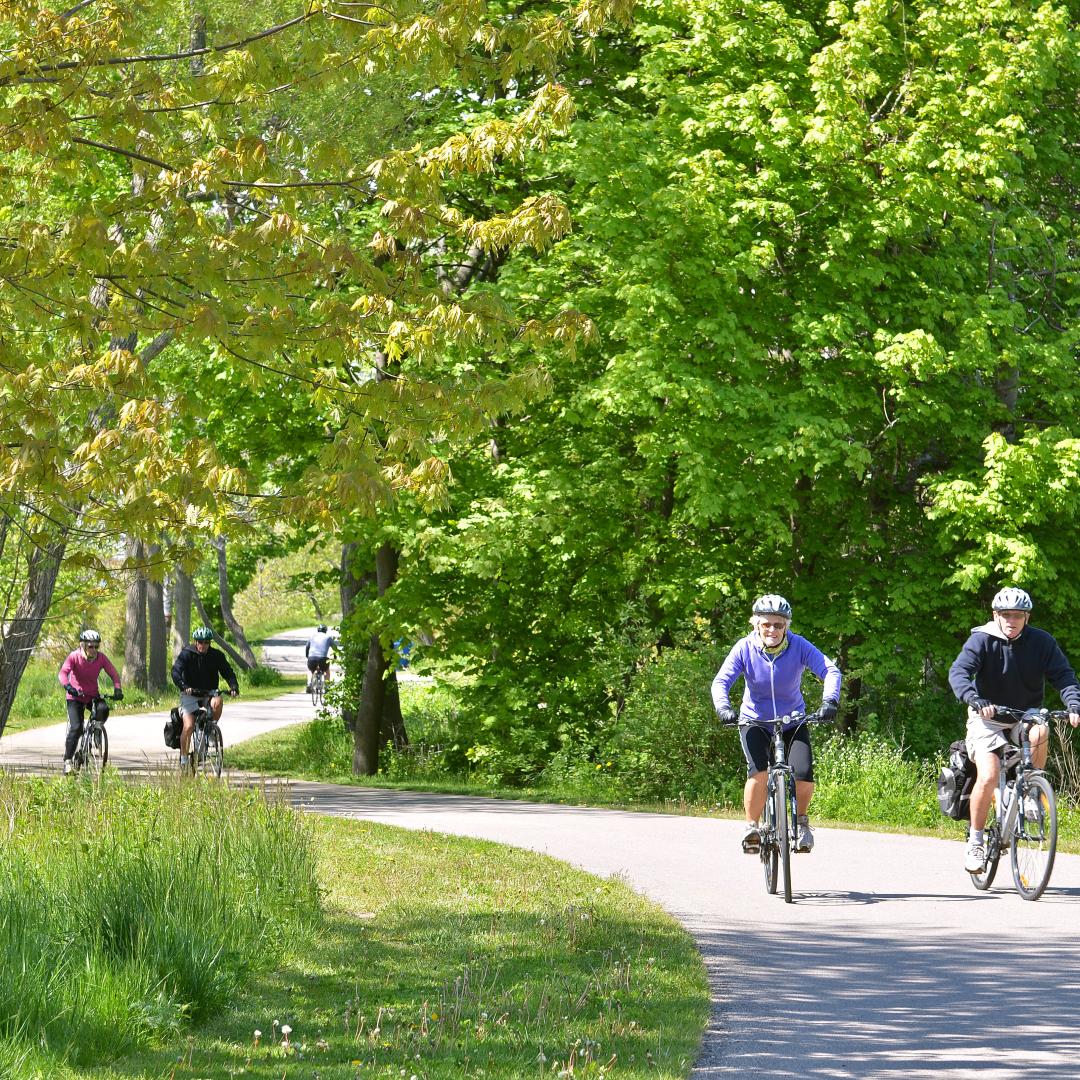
<point>889,963</point>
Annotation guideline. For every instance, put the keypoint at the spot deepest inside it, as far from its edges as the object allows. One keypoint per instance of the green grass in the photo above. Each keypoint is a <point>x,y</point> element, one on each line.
<point>128,910</point>
<point>443,957</point>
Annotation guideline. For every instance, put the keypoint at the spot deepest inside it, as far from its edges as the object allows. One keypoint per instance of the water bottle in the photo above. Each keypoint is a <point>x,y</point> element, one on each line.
<point>1006,795</point>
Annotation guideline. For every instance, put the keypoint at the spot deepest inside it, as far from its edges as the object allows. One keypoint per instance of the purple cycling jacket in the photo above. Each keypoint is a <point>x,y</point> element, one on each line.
<point>773,684</point>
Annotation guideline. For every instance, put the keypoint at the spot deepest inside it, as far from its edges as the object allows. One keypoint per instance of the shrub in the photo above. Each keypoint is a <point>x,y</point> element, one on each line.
<point>866,778</point>
<point>666,742</point>
<point>263,676</point>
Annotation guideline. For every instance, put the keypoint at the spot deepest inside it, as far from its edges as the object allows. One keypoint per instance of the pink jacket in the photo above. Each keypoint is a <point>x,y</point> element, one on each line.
<point>83,673</point>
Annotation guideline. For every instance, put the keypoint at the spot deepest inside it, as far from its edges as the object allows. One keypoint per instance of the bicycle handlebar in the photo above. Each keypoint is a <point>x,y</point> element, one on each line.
<point>783,721</point>
<point>1032,716</point>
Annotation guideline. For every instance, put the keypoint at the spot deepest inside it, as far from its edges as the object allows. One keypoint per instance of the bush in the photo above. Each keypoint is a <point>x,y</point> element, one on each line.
<point>865,778</point>
<point>263,676</point>
<point>666,742</point>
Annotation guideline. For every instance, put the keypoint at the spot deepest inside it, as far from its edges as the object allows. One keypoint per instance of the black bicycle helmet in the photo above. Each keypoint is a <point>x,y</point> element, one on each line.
<point>321,628</point>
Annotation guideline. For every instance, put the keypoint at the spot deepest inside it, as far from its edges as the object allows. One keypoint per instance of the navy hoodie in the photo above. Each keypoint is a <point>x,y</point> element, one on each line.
<point>1012,673</point>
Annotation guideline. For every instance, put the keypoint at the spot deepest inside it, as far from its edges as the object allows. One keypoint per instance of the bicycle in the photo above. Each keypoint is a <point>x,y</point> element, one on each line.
<point>1023,816</point>
<point>318,687</point>
<point>92,753</point>
<point>207,745</point>
<point>779,820</point>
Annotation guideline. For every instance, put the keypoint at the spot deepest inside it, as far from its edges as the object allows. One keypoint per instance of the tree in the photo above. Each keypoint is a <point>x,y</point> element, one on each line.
<point>831,255</point>
<point>150,197</point>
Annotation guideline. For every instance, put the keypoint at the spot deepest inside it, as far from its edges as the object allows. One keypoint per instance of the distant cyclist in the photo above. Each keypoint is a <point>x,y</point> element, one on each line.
<point>1005,662</point>
<point>79,675</point>
<point>318,650</point>
<point>196,671</point>
<point>771,661</point>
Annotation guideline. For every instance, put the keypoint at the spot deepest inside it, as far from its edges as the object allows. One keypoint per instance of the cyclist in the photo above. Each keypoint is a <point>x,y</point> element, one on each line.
<point>79,675</point>
<point>317,651</point>
<point>197,668</point>
<point>771,661</point>
<point>1005,662</point>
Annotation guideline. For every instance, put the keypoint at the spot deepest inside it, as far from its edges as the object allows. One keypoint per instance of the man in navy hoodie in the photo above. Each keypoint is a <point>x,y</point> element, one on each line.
<point>1005,662</point>
<point>771,661</point>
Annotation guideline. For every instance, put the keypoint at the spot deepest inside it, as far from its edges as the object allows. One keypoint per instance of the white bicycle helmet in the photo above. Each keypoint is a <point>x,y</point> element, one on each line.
<point>1012,600</point>
<point>771,604</point>
<point>90,637</point>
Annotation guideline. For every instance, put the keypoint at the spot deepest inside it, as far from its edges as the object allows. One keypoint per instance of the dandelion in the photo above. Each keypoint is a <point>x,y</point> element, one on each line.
<point>258,1036</point>
<point>286,1031</point>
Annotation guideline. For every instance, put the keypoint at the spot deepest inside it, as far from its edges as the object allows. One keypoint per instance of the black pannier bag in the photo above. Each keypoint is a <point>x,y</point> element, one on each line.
<point>173,727</point>
<point>955,781</point>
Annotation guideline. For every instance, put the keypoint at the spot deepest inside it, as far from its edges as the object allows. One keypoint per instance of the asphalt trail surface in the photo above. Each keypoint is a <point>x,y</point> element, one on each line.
<point>889,964</point>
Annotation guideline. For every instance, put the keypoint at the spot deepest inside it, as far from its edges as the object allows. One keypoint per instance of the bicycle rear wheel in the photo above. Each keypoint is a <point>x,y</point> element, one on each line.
<point>210,757</point>
<point>785,798</point>
<point>95,750</point>
<point>1035,839</point>
<point>318,689</point>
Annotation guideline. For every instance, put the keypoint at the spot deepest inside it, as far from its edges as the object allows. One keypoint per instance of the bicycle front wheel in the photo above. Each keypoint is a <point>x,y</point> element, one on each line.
<point>769,851</point>
<point>210,758</point>
<point>95,750</point>
<point>1035,839</point>
<point>785,798</point>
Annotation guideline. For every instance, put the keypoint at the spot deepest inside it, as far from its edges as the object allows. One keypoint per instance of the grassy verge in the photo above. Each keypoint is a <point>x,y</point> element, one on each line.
<point>127,911</point>
<point>40,700</point>
<point>442,957</point>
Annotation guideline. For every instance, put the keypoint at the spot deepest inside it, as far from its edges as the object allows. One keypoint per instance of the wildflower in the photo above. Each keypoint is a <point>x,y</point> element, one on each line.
<point>286,1031</point>
<point>258,1036</point>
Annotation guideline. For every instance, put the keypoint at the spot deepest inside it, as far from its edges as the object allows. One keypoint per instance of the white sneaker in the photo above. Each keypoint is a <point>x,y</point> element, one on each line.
<point>804,843</point>
<point>185,762</point>
<point>975,858</point>
<point>69,766</point>
<point>751,839</point>
<point>1031,808</point>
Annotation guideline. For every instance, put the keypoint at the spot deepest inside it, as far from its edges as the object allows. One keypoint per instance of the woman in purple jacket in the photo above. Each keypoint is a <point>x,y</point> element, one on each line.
<point>771,661</point>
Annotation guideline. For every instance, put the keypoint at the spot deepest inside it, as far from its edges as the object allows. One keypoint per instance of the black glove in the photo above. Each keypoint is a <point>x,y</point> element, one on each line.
<point>118,694</point>
<point>977,703</point>
<point>827,711</point>
<point>71,690</point>
<point>727,716</point>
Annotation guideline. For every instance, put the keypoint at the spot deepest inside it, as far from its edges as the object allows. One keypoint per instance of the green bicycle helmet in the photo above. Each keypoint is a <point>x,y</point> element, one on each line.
<point>203,633</point>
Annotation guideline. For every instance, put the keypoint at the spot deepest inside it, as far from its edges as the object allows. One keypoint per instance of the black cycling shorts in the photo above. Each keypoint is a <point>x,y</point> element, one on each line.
<point>319,663</point>
<point>755,746</point>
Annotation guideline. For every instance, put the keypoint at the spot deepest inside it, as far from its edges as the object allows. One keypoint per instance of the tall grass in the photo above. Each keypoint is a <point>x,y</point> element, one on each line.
<point>126,911</point>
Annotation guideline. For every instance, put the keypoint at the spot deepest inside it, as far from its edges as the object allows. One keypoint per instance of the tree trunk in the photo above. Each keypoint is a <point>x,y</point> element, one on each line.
<point>233,655</point>
<point>235,628</point>
<point>21,633</point>
<point>375,695</point>
<point>135,618</point>
<point>181,609</point>
<point>352,586</point>
<point>156,662</point>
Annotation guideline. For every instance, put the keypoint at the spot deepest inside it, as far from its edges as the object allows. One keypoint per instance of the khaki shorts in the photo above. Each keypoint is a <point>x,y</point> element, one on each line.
<point>984,737</point>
